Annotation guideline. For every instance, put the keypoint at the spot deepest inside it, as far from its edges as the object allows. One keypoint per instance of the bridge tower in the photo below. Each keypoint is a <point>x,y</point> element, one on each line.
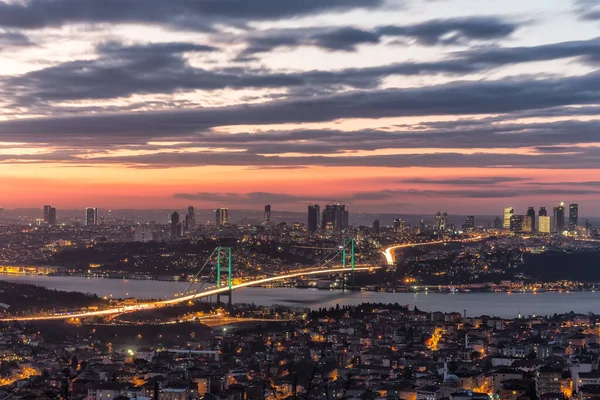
<point>345,244</point>
<point>224,252</point>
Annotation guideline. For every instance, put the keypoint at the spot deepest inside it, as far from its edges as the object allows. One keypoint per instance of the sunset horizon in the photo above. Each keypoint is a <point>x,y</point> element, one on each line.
<point>399,105</point>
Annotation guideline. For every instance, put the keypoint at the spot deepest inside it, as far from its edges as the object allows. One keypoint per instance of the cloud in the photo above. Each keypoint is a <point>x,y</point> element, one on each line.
<point>458,98</point>
<point>588,9</point>
<point>345,39</point>
<point>177,14</point>
<point>587,50</point>
<point>10,39</point>
<point>255,198</point>
<point>244,198</point>
<point>428,33</point>
<point>454,30</point>
<point>162,68</point>
<point>474,181</point>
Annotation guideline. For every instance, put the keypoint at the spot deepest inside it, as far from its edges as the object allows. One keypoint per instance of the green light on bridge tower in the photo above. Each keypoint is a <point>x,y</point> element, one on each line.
<point>229,274</point>
<point>352,243</point>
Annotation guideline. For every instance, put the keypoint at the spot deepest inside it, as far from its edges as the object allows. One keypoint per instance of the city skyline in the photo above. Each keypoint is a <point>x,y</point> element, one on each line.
<point>388,104</point>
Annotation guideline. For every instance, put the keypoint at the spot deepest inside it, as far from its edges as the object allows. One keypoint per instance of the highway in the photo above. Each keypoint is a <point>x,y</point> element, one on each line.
<point>177,300</point>
<point>390,256</point>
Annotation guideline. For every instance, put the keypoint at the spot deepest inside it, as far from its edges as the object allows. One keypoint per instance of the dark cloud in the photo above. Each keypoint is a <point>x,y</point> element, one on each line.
<point>345,39</point>
<point>587,50</point>
<point>458,98</point>
<point>475,181</point>
<point>164,159</point>
<point>588,9</point>
<point>453,31</point>
<point>162,68</point>
<point>120,71</point>
<point>387,194</point>
<point>14,39</point>
<point>429,33</point>
<point>179,14</point>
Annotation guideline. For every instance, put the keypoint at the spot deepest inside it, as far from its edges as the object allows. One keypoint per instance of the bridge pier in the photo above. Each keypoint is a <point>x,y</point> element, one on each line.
<point>229,294</point>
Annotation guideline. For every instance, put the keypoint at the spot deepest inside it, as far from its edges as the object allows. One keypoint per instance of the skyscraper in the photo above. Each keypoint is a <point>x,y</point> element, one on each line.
<point>544,224</point>
<point>527,223</point>
<point>588,227</point>
<point>190,219</point>
<point>531,219</point>
<point>559,219</point>
<point>267,219</point>
<point>174,225</point>
<point>444,225</point>
<point>498,224</point>
<point>222,216</point>
<point>543,212</point>
<point>508,213</point>
<point>314,217</point>
<point>573,217</point>
<point>336,216</point>
<point>399,225</point>
<point>517,223</point>
<point>469,223</point>
<point>437,224</point>
<point>91,216</point>
<point>47,214</point>
<point>52,216</point>
<point>376,227</point>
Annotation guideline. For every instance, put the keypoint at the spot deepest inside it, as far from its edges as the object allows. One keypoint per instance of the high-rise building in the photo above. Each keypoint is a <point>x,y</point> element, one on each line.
<point>91,216</point>
<point>314,217</point>
<point>543,212</point>
<point>190,219</point>
<point>336,216</point>
<point>527,223</point>
<point>221,216</point>
<point>517,223</point>
<point>444,224</point>
<point>559,219</point>
<point>421,225</point>
<point>174,225</point>
<point>469,223</point>
<point>52,216</point>
<point>543,224</point>
<point>573,217</point>
<point>267,219</point>
<point>47,214</point>
<point>498,224</point>
<point>437,223</point>
<point>508,213</point>
<point>399,225</point>
<point>376,227</point>
<point>588,227</point>
<point>530,222</point>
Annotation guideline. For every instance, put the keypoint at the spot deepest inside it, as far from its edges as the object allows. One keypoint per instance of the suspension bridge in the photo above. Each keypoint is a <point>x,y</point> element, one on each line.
<point>222,272</point>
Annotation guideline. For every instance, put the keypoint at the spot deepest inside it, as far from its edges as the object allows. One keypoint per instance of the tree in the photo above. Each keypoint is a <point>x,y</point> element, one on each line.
<point>474,356</point>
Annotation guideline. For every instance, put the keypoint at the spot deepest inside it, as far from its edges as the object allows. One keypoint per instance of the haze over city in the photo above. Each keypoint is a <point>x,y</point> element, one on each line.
<point>399,105</point>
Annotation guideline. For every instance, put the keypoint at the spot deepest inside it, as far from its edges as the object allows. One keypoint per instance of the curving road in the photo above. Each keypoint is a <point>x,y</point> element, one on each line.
<point>164,303</point>
<point>390,256</point>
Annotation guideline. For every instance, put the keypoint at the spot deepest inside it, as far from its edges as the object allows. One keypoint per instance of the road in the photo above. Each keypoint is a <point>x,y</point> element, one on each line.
<point>177,300</point>
<point>390,257</point>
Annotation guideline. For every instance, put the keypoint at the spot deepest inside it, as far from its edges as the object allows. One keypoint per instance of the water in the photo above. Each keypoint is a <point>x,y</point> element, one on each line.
<point>495,304</point>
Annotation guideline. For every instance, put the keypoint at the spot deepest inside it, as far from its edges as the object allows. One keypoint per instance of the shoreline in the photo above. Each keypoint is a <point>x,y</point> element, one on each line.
<point>423,289</point>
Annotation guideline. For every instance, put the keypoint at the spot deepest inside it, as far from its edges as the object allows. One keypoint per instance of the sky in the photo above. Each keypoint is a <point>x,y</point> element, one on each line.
<point>408,106</point>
